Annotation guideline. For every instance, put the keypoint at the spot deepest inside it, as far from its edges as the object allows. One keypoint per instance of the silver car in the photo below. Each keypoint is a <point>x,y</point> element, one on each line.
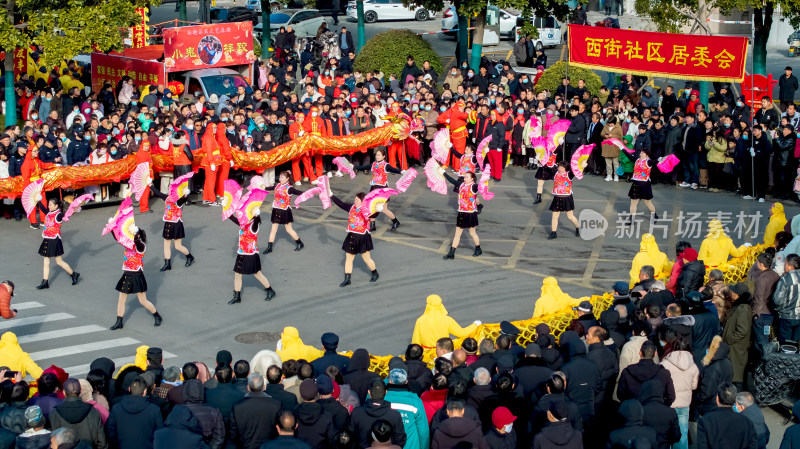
<point>375,10</point>
<point>305,22</point>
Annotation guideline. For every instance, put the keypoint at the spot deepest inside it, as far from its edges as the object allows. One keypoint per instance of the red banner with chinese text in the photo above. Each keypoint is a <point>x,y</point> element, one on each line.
<point>139,32</point>
<point>682,56</point>
<point>20,62</point>
<point>202,46</point>
<point>110,68</point>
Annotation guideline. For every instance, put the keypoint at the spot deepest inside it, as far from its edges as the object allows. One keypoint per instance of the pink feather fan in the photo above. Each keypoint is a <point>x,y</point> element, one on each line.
<point>344,166</point>
<point>483,184</point>
<point>440,145</point>
<point>436,180</point>
<point>483,149</point>
<point>140,179</point>
<point>405,181</point>
<point>374,202</point>
<point>231,198</point>
<point>122,209</point>
<point>557,132</point>
<point>179,186</point>
<point>76,205</point>
<point>580,158</point>
<point>305,196</point>
<point>324,196</point>
<point>668,163</point>
<point>32,195</point>
<point>618,143</point>
<point>125,228</point>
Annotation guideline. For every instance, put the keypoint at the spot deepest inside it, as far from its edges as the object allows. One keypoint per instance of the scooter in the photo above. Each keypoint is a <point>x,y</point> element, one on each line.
<point>794,47</point>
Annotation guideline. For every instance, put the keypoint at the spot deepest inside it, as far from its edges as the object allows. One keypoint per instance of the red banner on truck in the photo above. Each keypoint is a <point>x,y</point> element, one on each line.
<point>682,56</point>
<point>203,46</point>
<point>112,68</point>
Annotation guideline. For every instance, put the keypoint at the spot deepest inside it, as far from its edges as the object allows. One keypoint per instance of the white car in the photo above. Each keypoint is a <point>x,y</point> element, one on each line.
<point>375,10</point>
<point>508,23</point>
<point>305,22</point>
<point>549,28</point>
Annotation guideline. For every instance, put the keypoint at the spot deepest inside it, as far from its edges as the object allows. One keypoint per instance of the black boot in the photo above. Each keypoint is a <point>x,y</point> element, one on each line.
<point>167,265</point>
<point>346,281</point>
<point>237,298</point>
<point>577,232</point>
<point>75,276</point>
<point>269,248</point>
<point>189,260</point>
<point>451,254</point>
<point>552,235</point>
<point>372,226</point>
<point>538,199</point>
<point>117,325</point>
<point>480,208</point>
<point>270,294</point>
<point>655,215</point>
<point>395,224</point>
<point>478,251</point>
<point>43,285</point>
<point>299,244</point>
<point>374,276</point>
<point>157,319</point>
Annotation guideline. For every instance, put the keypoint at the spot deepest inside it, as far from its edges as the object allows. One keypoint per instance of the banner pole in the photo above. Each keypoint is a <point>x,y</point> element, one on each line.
<point>566,75</point>
<point>753,101</point>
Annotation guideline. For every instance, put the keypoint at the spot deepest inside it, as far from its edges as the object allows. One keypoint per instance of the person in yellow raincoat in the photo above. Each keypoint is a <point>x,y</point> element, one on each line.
<point>435,323</point>
<point>12,356</point>
<point>777,221</point>
<point>291,347</point>
<point>553,300</point>
<point>649,254</point>
<point>717,246</point>
<point>139,361</point>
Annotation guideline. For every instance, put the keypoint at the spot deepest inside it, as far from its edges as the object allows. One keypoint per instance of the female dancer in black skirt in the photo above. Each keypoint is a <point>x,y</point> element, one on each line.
<point>640,182</point>
<point>562,200</point>
<point>467,212</point>
<point>282,211</point>
<point>547,171</point>
<point>380,180</point>
<point>173,228</point>
<point>51,246</point>
<point>358,240</point>
<point>247,259</point>
<point>133,281</point>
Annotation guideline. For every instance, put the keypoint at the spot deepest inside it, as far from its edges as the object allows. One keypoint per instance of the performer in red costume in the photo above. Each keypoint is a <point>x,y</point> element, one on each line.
<point>282,211</point>
<point>358,240</point>
<point>173,228</point>
<point>227,159</point>
<point>562,200</point>
<point>296,131</point>
<point>143,156</point>
<point>32,169</point>
<point>51,242</point>
<point>467,212</point>
<point>397,149</point>
<point>380,180</point>
<point>315,126</point>
<point>456,120</point>
<point>133,281</point>
<point>248,260</point>
<point>211,162</point>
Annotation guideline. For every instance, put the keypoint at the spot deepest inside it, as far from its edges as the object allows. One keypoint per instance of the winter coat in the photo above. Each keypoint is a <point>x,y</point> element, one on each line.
<point>497,441</point>
<point>412,410</point>
<point>539,414</point>
<point>330,358</point>
<point>632,412</point>
<point>15,359</point>
<point>531,374</point>
<point>753,413</point>
<point>684,374</point>
<point>518,406</point>
<point>419,376</point>
<point>477,394</point>
<point>717,369</point>
<point>763,290</point>
<point>339,413</point>
<point>706,326</point>
<point>222,398</point>
<point>453,431</point>
<point>787,87</point>
<point>791,437</point>
<point>433,400</point>
<point>723,428</point>
<point>691,278</point>
<point>787,296</point>
<point>660,417</point>
<point>132,422</point>
<point>209,417</point>
<point>253,420</point>
<point>608,363</point>
<point>716,150</point>
<point>736,333</point>
<point>314,425</point>
<point>82,418</point>
<point>630,352</point>
<point>584,380</point>
<point>182,431</point>
<point>33,440</point>
<point>363,417</point>
<point>558,435</point>
<point>288,400</point>
<point>359,377</point>
<point>672,142</point>
<point>632,378</point>
<point>12,417</point>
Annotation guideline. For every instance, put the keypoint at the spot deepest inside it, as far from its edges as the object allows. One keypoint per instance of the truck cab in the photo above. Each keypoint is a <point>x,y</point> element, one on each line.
<point>214,81</point>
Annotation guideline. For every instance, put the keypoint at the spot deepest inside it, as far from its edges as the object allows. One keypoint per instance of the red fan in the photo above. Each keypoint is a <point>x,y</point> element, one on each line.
<point>374,202</point>
<point>307,195</point>
<point>32,195</point>
<point>580,158</point>
<point>440,145</point>
<point>405,181</point>
<point>76,204</point>
<point>344,166</point>
<point>140,179</point>
<point>483,150</point>
<point>557,132</point>
<point>179,187</point>
<point>436,180</point>
<point>231,198</point>
<point>483,184</point>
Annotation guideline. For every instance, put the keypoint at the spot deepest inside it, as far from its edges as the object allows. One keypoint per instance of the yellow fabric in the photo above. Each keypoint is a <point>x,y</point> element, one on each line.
<point>12,356</point>
<point>435,323</point>
<point>75,83</point>
<point>777,221</point>
<point>293,348</point>
<point>717,246</point>
<point>65,79</point>
<point>649,254</point>
<point>139,361</point>
<point>553,301</point>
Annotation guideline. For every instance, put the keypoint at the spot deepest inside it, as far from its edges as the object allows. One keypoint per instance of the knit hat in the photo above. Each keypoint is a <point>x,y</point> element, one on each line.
<point>34,417</point>
<point>689,254</point>
<point>308,390</point>
<point>502,417</point>
<point>324,384</point>
<point>533,350</point>
<point>542,329</point>
<point>559,410</point>
<point>740,289</point>
<point>397,363</point>
<point>398,376</point>
<point>621,287</point>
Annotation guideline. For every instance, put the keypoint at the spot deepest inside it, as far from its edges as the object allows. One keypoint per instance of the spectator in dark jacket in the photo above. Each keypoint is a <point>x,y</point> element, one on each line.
<point>532,372</point>
<point>358,376</point>
<point>457,430</point>
<point>12,416</point>
<point>35,436</point>
<point>583,378</point>
<point>502,434</point>
<point>632,412</point>
<point>558,433</point>
<point>134,419</point>
<point>724,428</point>
<point>79,416</point>
<point>791,437</point>
<point>716,371</point>
<point>330,342</point>
<point>787,86</point>
<point>745,404</point>
<point>692,274</point>
<point>339,413</point>
<point>419,375</point>
<point>225,394</point>
<point>506,396</point>
<point>182,431</point>
<point>410,69</point>
<point>286,439</point>
<point>555,393</point>
<point>362,418</point>
<point>275,389</point>
<point>606,360</point>
<point>576,133</point>
<point>663,419</point>
<point>253,419</point>
<point>314,424</point>
<point>209,417</point>
<point>632,377</point>
<point>706,326</point>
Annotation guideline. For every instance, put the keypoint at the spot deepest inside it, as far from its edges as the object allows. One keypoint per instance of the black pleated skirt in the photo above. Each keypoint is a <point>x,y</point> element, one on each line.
<point>376,187</point>
<point>640,190</point>
<point>282,216</point>
<point>546,173</point>
<point>132,282</point>
<point>562,204</point>
<point>173,231</point>
<point>467,220</point>
<point>51,247</point>
<point>247,264</point>
<point>357,243</point>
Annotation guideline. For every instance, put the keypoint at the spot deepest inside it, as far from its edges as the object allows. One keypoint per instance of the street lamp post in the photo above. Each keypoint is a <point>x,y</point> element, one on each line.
<point>266,33</point>
<point>362,39</point>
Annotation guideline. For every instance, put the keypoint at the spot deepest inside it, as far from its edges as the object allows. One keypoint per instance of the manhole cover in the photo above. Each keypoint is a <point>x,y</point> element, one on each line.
<point>255,338</point>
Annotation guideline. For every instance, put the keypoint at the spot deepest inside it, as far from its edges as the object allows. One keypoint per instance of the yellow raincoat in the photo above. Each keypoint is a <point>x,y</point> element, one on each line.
<point>649,254</point>
<point>553,300</point>
<point>12,356</point>
<point>435,323</point>
<point>140,361</point>
<point>777,221</point>
<point>293,348</point>
<point>717,246</point>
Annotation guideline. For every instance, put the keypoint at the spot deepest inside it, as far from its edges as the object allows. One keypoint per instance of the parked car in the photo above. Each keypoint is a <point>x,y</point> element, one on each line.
<point>510,23</point>
<point>305,22</point>
<point>375,10</point>
<point>323,6</point>
<point>234,14</point>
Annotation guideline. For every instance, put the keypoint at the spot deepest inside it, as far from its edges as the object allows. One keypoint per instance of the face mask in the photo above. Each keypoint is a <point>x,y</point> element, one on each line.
<point>76,110</point>
<point>261,125</point>
<point>34,117</point>
<point>549,112</point>
<point>508,428</point>
<point>113,152</point>
<point>137,139</point>
<point>442,108</point>
<point>525,80</point>
<point>735,409</point>
<point>746,137</point>
<point>688,92</point>
<point>313,114</point>
<point>414,108</point>
<point>520,111</point>
<point>63,139</point>
<point>427,108</point>
<point>87,137</point>
<point>454,73</point>
<point>115,132</point>
<point>224,119</point>
<point>87,110</point>
<point>133,103</point>
<point>407,98</point>
<point>470,75</point>
<point>163,144</point>
<point>48,99</point>
<point>242,134</point>
<point>627,120</point>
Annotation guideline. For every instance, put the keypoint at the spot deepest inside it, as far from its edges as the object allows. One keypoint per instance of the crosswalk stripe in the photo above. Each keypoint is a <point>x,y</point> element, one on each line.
<point>118,363</point>
<point>27,305</point>
<point>19,322</point>
<point>80,349</point>
<point>61,333</point>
